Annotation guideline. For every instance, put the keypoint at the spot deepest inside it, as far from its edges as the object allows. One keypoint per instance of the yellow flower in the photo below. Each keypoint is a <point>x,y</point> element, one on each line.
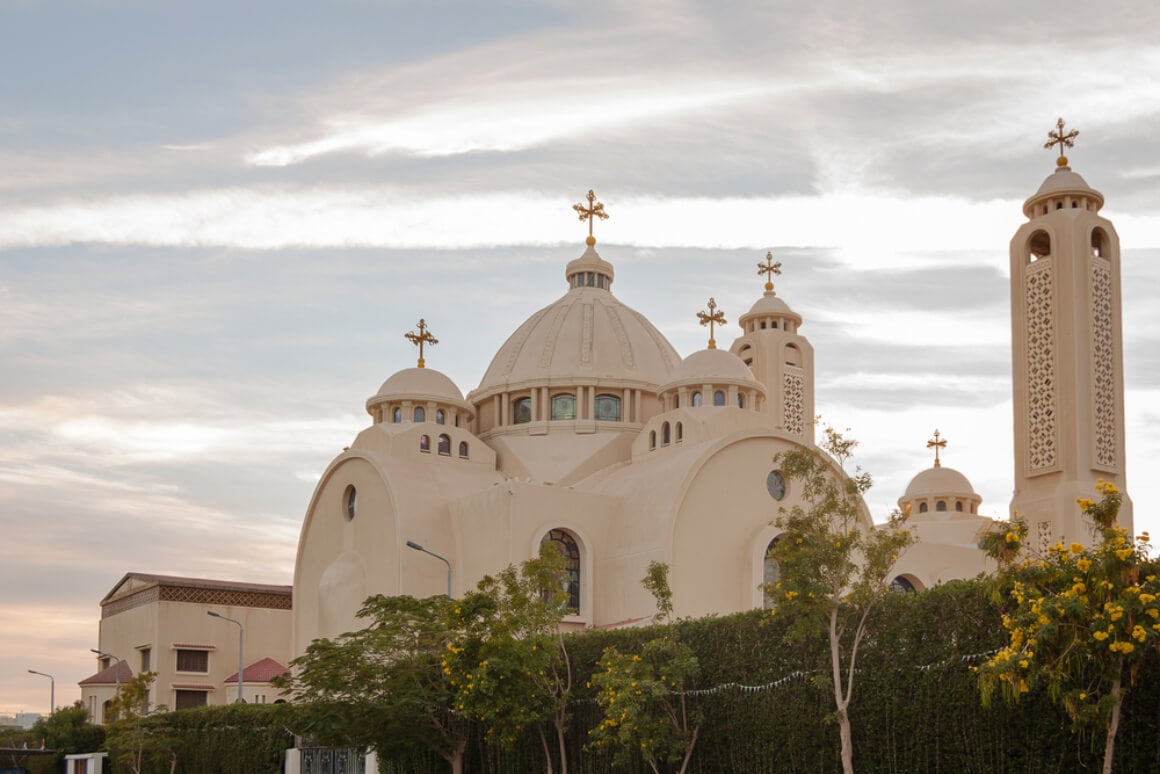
<point>1084,503</point>
<point>1076,548</point>
<point>1084,564</point>
<point>1082,695</point>
<point>1012,537</point>
<point>1152,613</point>
<point>1101,636</point>
<point>1139,634</point>
<point>1124,553</point>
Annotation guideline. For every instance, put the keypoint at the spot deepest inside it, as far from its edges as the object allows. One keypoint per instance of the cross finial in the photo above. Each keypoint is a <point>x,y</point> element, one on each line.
<point>590,213</point>
<point>419,339</point>
<point>936,443</point>
<point>1057,137</point>
<point>769,268</point>
<point>713,317</point>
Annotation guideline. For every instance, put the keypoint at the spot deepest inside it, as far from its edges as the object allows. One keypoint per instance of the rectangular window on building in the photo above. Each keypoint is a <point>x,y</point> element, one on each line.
<point>146,658</point>
<point>187,699</point>
<point>193,661</point>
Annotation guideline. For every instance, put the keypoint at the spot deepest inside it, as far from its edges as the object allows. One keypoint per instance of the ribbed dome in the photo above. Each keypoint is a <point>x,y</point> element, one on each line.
<point>586,334</point>
<point>939,481</point>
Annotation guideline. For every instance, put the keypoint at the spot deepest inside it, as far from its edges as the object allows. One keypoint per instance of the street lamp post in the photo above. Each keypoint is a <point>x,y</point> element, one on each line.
<point>241,648</point>
<point>51,690</point>
<point>417,547</point>
<point>116,672</point>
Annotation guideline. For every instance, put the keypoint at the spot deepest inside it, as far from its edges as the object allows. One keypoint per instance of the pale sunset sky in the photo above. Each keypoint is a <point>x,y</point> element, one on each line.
<point>218,219</point>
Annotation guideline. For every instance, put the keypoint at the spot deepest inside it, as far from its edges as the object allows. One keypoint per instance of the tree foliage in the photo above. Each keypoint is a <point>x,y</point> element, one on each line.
<point>1082,621</point>
<point>642,696</point>
<point>833,565</point>
<point>507,663</point>
<point>382,686</point>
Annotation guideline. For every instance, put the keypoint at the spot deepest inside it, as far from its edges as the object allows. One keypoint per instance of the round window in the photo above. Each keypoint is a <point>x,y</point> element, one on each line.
<point>775,483</point>
<point>350,502</point>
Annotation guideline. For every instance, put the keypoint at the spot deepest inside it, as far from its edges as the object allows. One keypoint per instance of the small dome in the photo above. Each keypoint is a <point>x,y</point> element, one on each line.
<point>425,383</point>
<point>712,365</point>
<point>1062,182</point>
<point>939,481</point>
<point>770,305</point>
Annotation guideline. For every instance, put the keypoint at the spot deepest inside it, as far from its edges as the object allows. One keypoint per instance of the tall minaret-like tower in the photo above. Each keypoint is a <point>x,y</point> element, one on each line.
<point>779,357</point>
<point>1067,349</point>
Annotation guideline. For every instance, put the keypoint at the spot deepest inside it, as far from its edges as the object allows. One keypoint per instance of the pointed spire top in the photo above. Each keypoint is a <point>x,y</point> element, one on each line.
<point>936,443</point>
<point>769,268</point>
<point>713,317</point>
<point>1057,137</point>
<point>590,213</point>
<point>419,339</point>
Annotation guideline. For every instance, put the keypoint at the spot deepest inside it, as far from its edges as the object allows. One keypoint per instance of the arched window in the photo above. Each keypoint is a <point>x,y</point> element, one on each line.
<point>770,574</point>
<point>564,406</point>
<point>718,398</point>
<point>793,355</point>
<point>1099,243</point>
<point>1038,246</point>
<point>463,449</point>
<point>740,400</point>
<point>350,502</point>
<point>425,443</point>
<point>566,544</point>
<point>420,415</point>
<point>521,411</point>
<point>959,507</point>
<point>941,505</point>
<point>680,432</point>
<point>440,417</point>
<point>445,444</point>
<point>665,434</point>
<point>652,439</point>
<point>922,508</point>
<point>608,408</point>
<point>397,415</point>
<point>696,399</point>
<point>902,585</point>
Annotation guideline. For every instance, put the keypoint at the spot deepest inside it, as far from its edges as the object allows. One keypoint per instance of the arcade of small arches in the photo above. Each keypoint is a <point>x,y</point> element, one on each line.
<point>943,504</point>
<point>1039,245</point>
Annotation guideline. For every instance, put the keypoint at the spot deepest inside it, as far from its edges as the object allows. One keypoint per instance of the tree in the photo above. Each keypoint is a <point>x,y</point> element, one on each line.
<point>507,663</point>
<point>130,742</point>
<point>67,731</point>
<point>643,696</point>
<point>383,686</point>
<point>1082,621</point>
<point>833,566</point>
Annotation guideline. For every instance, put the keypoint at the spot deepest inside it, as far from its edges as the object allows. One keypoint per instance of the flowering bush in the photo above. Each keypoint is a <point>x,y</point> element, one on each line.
<point>1082,617</point>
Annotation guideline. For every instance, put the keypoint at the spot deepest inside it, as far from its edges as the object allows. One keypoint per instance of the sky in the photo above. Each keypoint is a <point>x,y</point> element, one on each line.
<point>218,219</point>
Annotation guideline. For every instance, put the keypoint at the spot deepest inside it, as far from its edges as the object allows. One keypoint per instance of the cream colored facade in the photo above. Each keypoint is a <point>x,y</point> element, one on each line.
<point>589,430</point>
<point>159,623</point>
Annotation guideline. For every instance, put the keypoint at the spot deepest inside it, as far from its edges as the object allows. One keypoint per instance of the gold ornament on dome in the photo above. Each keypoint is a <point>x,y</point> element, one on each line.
<point>713,317</point>
<point>419,339</point>
<point>769,268</point>
<point>590,213</point>
<point>936,443</point>
<point>1057,137</point>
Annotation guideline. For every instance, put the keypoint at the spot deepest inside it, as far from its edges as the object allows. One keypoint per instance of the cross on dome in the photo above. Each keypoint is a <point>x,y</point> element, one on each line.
<point>769,268</point>
<point>710,318</point>
<point>590,213</point>
<point>936,443</point>
<point>419,339</point>
<point>1057,137</point>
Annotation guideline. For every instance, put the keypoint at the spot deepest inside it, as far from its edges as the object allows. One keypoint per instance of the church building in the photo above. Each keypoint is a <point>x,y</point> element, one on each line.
<point>590,432</point>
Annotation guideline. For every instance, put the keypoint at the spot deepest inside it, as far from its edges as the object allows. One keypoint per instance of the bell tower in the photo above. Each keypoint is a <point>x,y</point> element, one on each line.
<point>1067,351</point>
<point>779,357</point>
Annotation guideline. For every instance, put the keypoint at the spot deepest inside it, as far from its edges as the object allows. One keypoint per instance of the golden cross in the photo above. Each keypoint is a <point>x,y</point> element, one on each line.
<point>714,316</point>
<point>936,444</point>
<point>769,268</point>
<point>590,213</point>
<point>1057,137</point>
<point>423,336</point>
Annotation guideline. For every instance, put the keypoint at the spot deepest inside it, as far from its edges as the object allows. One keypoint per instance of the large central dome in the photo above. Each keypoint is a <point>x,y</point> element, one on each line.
<point>587,336</point>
